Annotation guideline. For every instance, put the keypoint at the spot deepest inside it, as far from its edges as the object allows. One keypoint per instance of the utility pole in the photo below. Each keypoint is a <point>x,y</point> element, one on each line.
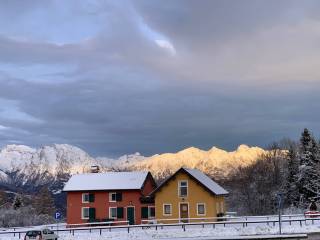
<point>280,196</point>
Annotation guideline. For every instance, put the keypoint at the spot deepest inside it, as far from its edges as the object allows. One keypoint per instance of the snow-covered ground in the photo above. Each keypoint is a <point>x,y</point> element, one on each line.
<point>193,232</point>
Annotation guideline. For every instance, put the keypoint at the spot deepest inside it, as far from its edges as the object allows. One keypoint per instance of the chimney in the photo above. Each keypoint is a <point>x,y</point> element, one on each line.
<point>95,169</point>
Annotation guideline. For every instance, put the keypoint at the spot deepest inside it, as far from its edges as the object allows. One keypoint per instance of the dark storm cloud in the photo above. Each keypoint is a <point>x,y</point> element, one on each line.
<point>220,74</point>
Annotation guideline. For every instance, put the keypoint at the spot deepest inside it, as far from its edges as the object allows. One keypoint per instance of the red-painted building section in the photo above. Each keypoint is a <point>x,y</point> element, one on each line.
<point>132,205</point>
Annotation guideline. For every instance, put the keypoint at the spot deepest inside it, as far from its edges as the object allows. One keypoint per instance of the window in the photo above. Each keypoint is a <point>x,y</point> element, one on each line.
<point>115,197</point>
<point>183,188</point>
<point>112,197</point>
<point>113,212</point>
<point>147,212</point>
<point>85,213</point>
<point>201,209</point>
<point>85,197</point>
<point>47,231</point>
<point>167,209</point>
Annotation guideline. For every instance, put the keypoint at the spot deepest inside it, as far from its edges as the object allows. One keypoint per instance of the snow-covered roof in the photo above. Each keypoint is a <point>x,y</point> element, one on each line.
<point>106,181</point>
<point>206,181</point>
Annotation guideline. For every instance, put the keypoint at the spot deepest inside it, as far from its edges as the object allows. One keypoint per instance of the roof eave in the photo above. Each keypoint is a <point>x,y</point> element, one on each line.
<point>82,190</point>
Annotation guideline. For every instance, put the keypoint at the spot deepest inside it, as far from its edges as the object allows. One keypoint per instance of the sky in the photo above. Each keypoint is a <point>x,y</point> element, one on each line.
<point>118,77</point>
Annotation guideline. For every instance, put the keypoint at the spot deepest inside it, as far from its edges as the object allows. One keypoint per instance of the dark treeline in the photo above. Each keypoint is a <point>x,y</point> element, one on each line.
<point>289,167</point>
<point>26,210</point>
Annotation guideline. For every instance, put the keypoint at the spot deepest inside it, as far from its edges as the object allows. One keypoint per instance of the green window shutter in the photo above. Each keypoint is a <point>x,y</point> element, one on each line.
<point>91,197</point>
<point>152,212</point>
<point>118,197</point>
<point>92,213</point>
<point>120,212</point>
<point>144,212</point>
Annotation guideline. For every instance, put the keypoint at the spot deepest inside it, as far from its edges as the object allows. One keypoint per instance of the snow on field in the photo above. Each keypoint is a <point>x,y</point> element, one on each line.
<point>193,232</point>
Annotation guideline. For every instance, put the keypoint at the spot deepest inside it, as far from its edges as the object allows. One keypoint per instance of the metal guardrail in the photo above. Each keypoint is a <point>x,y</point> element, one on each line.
<point>94,223</point>
<point>246,218</point>
<point>157,226</point>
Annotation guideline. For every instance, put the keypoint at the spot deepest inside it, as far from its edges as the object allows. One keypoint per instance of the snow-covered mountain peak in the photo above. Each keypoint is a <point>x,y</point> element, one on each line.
<point>214,161</point>
<point>15,156</point>
<point>216,150</point>
<point>52,158</point>
<point>243,147</point>
<point>18,148</point>
<point>190,150</point>
<point>47,162</point>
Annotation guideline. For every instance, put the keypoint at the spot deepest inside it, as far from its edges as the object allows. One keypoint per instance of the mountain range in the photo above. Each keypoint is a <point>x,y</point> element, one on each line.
<point>28,168</point>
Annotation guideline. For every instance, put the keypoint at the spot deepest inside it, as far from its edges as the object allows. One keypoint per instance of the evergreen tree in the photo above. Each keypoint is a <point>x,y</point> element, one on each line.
<point>308,176</point>
<point>17,202</point>
<point>291,188</point>
<point>44,203</point>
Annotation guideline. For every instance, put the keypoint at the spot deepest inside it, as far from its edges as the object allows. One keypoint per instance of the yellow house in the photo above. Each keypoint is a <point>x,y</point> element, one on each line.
<point>189,195</point>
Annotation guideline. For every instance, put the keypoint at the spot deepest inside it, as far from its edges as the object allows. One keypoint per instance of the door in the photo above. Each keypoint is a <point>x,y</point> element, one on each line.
<point>130,215</point>
<point>184,212</point>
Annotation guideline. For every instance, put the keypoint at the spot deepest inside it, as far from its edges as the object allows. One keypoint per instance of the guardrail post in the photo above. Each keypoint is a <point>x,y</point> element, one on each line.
<point>184,227</point>
<point>128,229</point>
<point>72,232</point>
<point>14,232</point>
<point>300,223</point>
<point>156,227</point>
<point>90,230</point>
<point>213,226</point>
<point>19,235</point>
<point>100,231</point>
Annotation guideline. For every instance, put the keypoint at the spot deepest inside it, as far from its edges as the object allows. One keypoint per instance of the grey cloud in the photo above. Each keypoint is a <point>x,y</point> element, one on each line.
<point>126,94</point>
<point>132,119</point>
<point>212,21</point>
